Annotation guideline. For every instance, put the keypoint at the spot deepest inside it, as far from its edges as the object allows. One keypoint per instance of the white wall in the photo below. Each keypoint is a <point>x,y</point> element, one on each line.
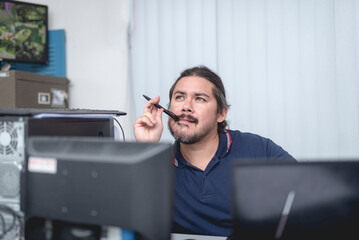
<point>290,67</point>
<point>97,52</point>
<point>292,63</point>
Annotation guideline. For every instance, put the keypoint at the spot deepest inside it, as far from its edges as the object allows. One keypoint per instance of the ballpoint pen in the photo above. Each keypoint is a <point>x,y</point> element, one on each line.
<point>169,113</point>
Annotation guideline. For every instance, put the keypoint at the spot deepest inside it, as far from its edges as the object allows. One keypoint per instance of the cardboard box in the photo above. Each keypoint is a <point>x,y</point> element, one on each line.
<point>30,90</point>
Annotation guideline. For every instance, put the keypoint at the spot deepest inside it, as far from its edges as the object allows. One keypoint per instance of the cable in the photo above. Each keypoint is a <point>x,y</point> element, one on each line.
<point>12,212</point>
<point>123,133</point>
<point>19,229</point>
<point>15,216</point>
<point>3,222</point>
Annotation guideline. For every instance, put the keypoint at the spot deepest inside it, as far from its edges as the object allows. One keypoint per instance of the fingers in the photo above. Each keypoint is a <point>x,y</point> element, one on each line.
<point>158,115</point>
<point>150,105</point>
<point>150,118</point>
<point>149,127</point>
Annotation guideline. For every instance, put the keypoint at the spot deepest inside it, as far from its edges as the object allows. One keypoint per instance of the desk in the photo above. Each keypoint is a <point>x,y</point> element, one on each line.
<point>177,236</point>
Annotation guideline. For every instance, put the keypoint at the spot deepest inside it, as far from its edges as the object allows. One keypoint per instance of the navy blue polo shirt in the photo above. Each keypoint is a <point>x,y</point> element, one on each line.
<point>203,198</point>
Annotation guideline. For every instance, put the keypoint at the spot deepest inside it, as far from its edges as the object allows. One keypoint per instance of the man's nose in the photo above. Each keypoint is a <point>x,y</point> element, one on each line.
<point>187,106</point>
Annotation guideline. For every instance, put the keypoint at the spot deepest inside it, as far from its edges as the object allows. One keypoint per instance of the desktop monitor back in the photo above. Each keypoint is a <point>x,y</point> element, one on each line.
<point>307,200</point>
<point>99,182</point>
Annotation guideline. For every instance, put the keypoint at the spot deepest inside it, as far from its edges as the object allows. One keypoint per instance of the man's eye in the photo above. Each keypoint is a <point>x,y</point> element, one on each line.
<point>179,97</point>
<point>200,99</point>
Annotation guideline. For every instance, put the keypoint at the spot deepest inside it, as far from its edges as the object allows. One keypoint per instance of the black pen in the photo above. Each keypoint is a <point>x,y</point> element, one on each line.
<point>169,113</point>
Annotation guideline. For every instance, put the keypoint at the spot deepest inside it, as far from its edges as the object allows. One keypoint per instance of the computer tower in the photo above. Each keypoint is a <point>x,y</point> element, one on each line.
<point>14,131</point>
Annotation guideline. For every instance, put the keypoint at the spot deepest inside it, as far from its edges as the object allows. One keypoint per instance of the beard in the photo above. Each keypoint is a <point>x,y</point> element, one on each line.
<point>190,138</point>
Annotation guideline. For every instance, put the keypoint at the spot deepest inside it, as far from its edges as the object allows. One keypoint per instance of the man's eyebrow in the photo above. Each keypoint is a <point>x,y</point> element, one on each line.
<point>201,94</point>
<point>179,92</point>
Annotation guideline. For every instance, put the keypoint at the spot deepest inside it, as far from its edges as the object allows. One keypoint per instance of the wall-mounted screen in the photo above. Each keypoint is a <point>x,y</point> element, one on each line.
<point>23,32</point>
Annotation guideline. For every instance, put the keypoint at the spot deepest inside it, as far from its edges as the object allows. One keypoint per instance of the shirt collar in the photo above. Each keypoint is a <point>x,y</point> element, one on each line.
<point>225,142</point>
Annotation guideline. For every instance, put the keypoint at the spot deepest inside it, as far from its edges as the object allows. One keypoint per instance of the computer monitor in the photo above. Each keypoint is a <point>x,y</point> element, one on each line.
<point>97,182</point>
<point>305,200</point>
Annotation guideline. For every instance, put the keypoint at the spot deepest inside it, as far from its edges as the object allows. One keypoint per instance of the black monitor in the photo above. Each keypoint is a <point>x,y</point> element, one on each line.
<point>305,200</point>
<point>97,182</point>
<point>23,32</point>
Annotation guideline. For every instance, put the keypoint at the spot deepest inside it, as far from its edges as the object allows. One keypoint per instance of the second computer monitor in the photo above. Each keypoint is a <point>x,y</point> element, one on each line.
<point>100,182</point>
<point>306,200</point>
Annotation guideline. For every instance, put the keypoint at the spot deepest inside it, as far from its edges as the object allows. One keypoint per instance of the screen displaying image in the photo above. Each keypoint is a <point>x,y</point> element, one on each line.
<point>23,32</point>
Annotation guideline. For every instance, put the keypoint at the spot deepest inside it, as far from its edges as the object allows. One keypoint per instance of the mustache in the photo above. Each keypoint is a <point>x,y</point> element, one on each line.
<point>189,117</point>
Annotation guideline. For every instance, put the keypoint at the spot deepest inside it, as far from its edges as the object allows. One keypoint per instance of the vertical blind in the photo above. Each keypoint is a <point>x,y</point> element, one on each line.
<point>290,67</point>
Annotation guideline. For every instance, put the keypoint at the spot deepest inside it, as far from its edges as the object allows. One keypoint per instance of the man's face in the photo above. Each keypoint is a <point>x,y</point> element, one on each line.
<point>196,106</point>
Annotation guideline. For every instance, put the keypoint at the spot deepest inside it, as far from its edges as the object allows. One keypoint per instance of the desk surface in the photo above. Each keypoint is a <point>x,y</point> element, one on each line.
<point>177,236</point>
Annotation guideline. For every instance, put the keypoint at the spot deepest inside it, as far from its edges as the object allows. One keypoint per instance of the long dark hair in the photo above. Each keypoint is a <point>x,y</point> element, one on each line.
<point>218,91</point>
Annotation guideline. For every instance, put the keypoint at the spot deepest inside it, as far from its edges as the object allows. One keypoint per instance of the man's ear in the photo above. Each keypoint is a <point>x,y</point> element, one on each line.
<point>222,115</point>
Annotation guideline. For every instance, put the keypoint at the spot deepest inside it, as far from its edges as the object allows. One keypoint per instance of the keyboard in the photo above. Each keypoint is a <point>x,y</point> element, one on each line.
<point>61,111</point>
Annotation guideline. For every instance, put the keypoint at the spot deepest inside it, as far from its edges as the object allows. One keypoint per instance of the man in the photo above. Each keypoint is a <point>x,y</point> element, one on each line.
<point>204,150</point>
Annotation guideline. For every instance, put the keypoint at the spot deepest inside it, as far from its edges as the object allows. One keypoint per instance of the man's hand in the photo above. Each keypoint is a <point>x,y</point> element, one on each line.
<point>148,127</point>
